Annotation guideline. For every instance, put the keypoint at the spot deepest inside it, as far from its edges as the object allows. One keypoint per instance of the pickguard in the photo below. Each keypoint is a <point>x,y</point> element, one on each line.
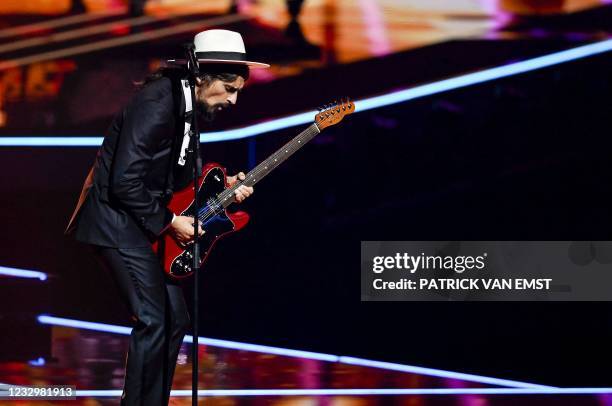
<point>214,224</point>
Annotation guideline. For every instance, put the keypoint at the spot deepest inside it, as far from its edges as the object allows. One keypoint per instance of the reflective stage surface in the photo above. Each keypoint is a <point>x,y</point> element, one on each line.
<point>93,362</point>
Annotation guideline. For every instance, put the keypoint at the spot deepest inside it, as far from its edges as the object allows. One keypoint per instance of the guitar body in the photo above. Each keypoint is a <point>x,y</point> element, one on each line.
<point>177,260</point>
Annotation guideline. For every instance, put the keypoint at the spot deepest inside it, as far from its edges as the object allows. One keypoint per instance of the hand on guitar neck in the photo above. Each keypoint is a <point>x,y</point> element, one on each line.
<point>243,191</point>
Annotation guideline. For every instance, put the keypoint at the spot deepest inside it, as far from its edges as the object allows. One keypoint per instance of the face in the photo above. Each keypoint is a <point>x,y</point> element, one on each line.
<point>217,96</point>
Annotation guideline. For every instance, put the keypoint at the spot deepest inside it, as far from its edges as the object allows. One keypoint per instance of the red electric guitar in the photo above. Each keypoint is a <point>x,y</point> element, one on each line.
<point>215,195</point>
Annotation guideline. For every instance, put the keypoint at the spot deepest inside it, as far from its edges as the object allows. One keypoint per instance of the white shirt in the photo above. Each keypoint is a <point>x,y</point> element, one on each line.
<point>188,108</point>
<point>186,136</point>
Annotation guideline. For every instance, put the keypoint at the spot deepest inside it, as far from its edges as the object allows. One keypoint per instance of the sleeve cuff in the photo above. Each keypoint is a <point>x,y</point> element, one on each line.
<point>168,225</point>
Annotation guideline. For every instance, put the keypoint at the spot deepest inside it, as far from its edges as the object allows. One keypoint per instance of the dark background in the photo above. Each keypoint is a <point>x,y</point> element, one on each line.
<point>522,158</point>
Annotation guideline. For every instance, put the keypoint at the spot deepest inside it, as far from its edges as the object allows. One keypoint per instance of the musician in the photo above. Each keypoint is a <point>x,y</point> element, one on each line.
<point>122,207</point>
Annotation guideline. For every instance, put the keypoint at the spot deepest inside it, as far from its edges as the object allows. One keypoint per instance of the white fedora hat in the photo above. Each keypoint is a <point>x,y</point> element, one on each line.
<point>221,46</point>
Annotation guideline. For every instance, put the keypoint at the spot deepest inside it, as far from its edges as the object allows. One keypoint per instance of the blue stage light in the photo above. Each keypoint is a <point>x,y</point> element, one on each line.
<point>39,362</point>
<point>262,348</point>
<point>366,392</point>
<point>439,373</point>
<point>23,273</point>
<point>108,328</point>
<point>360,105</point>
<point>50,141</point>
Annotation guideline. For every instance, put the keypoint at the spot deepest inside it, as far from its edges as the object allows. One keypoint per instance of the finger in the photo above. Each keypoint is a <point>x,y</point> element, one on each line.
<point>246,191</point>
<point>239,196</point>
<point>200,231</point>
<point>241,175</point>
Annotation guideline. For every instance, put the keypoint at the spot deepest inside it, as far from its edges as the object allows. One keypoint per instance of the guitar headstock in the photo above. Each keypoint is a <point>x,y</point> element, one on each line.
<point>333,113</point>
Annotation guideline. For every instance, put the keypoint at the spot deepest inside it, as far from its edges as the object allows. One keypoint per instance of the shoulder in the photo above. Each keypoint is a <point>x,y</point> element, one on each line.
<point>159,90</point>
<point>154,101</point>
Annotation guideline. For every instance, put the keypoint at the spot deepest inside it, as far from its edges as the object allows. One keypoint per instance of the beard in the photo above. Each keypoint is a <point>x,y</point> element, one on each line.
<point>208,112</point>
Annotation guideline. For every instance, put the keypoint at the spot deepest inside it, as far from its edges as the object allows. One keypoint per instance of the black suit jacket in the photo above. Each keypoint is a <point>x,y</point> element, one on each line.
<point>123,201</point>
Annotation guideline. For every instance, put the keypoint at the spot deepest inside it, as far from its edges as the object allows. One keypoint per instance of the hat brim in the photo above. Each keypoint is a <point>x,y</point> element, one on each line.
<point>250,64</point>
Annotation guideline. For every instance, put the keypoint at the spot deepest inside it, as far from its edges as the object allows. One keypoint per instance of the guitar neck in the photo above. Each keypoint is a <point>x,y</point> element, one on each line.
<point>274,160</point>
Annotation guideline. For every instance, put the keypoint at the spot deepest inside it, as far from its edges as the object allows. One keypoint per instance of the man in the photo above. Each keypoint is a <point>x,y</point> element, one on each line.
<point>121,210</point>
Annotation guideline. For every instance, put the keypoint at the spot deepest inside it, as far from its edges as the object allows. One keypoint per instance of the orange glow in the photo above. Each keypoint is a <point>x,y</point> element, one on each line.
<point>34,6</point>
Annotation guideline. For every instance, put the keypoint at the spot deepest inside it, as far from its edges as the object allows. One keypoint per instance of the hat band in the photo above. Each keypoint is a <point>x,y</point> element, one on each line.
<point>222,55</point>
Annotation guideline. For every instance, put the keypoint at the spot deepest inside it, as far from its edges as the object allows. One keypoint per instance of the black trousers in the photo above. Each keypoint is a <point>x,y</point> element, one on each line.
<point>161,319</point>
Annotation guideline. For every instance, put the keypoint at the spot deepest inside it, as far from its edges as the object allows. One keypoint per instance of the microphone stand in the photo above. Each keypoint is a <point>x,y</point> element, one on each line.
<point>193,72</point>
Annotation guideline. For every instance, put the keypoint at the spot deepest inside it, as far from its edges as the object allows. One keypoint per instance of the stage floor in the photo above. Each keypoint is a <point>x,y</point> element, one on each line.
<point>237,373</point>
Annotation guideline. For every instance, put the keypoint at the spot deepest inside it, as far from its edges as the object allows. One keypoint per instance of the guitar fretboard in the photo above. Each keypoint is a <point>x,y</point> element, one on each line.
<point>274,160</point>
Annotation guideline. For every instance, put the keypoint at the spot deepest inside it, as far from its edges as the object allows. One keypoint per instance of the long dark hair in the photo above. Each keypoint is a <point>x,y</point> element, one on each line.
<point>208,73</point>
